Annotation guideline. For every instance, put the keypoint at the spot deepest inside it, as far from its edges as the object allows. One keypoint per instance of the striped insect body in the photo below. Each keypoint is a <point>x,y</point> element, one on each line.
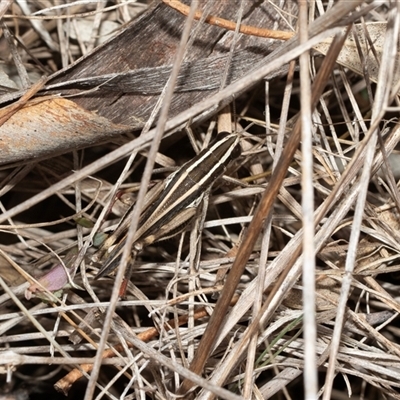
<point>174,206</point>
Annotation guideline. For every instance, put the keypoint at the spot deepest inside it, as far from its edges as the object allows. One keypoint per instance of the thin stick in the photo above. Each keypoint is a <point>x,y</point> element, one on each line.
<point>7,112</point>
<point>230,25</point>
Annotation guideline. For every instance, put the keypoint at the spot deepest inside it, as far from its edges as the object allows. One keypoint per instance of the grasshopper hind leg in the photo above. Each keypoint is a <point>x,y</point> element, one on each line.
<point>127,277</point>
<point>109,267</point>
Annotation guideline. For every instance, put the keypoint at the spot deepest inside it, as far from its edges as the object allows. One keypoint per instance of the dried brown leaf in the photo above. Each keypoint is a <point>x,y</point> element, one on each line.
<point>51,127</point>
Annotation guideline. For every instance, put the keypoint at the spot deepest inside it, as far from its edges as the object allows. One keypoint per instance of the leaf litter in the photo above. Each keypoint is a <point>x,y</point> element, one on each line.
<point>56,204</point>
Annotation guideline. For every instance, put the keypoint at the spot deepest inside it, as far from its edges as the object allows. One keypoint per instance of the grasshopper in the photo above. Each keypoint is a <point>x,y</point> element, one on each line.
<point>173,205</point>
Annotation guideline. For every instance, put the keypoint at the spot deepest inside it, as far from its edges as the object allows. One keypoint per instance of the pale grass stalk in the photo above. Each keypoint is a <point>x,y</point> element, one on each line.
<point>307,185</point>
<point>12,358</point>
<point>96,25</point>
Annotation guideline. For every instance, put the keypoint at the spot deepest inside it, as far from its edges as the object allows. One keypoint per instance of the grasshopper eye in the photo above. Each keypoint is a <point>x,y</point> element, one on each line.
<point>236,151</point>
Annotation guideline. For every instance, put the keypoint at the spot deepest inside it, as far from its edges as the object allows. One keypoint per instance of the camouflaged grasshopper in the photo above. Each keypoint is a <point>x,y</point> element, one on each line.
<point>173,205</point>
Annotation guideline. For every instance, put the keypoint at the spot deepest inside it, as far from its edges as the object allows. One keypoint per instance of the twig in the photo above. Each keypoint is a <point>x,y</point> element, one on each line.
<point>230,25</point>
<point>7,112</point>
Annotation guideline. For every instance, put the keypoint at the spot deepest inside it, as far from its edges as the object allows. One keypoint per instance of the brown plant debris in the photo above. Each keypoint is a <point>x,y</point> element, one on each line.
<point>279,272</point>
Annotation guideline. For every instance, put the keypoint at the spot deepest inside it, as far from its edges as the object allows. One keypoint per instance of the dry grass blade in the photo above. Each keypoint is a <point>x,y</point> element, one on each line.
<point>307,186</point>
